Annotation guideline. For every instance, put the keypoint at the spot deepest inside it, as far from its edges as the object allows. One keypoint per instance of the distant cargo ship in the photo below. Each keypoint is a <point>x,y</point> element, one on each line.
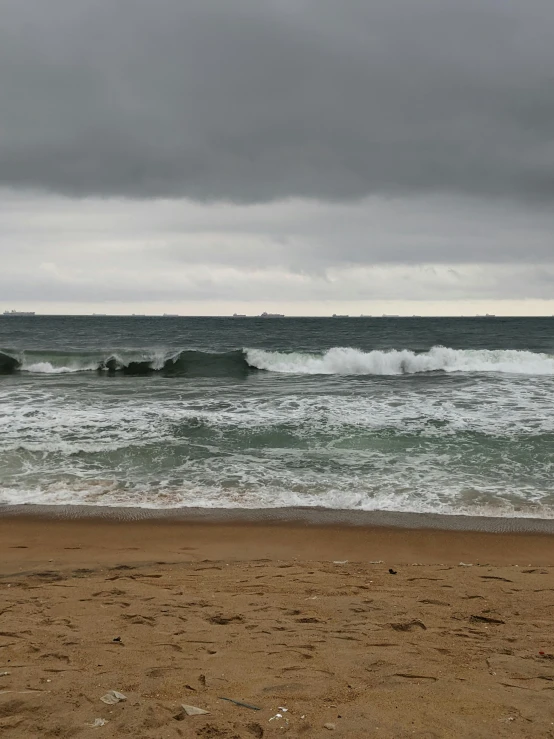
<point>239,315</point>
<point>272,315</point>
<point>340,315</point>
<point>19,313</point>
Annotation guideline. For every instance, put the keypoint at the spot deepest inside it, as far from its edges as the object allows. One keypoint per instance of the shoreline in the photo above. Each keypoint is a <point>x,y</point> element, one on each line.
<point>291,516</point>
<point>40,542</point>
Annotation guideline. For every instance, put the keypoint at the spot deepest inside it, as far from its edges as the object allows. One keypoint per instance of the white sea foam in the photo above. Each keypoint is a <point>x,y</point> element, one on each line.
<point>472,444</point>
<point>446,500</point>
<point>52,364</point>
<point>348,361</point>
<point>335,361</point>
<point>47,368</point>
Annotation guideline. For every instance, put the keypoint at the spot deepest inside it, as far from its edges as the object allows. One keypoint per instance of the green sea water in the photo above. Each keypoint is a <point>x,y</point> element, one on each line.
<point>425,415</point>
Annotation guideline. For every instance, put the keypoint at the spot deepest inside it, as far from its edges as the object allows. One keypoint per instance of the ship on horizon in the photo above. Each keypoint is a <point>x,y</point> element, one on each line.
<point>272,315</point>
<point>19,313</point>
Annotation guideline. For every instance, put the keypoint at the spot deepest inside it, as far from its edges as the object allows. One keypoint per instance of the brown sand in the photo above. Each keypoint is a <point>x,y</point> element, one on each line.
<point>271,615</point>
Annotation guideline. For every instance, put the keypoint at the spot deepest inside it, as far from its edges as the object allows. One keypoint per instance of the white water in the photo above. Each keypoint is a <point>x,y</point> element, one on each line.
<point>61,365</point>
<point>467,445</point>
<point>348,361</point>
<point>335,361</point>
<point>47,368</point>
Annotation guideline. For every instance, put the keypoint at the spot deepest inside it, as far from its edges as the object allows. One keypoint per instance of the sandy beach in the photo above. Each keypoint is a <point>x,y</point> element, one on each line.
<point>456,641</point>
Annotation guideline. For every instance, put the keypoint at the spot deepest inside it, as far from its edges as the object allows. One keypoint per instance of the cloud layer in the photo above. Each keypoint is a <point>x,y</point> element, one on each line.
<point>313,156</point>
<point>248,101</point>
<point>61,254</point>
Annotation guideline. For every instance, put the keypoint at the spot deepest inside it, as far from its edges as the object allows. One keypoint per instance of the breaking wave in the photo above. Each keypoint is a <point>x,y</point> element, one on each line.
<point>347,361</point>
<point>125,362</point>
<point>240,362</point>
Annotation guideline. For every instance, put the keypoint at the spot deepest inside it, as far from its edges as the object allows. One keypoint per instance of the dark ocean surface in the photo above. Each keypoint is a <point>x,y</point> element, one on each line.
<point>424,415</point>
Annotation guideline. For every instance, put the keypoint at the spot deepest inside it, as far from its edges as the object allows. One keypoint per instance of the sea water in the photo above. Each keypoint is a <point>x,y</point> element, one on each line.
<point>452,416</point>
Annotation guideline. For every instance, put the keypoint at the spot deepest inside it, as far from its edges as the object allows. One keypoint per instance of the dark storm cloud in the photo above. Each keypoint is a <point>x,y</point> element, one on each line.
<point>250,101</point>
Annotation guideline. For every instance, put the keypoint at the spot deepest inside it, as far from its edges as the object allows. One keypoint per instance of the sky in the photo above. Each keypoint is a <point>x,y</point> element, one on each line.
<point>302,156</point>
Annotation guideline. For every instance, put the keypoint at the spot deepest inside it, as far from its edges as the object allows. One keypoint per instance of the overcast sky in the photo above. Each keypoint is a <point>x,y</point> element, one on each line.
<point>207,156</point>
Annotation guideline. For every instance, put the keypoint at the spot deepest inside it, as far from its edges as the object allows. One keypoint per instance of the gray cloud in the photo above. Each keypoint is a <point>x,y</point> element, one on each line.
<point>252,101</point>
<point>300,256</point>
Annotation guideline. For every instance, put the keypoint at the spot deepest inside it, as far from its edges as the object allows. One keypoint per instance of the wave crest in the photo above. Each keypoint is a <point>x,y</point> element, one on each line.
<point>125,362</point>
<point>239,363</point>
<point>348,361</point>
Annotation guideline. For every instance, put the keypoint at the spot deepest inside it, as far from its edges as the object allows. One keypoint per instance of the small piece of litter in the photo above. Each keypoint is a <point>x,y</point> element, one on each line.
<point>340,562</point>
<point>465,564</point>
<point>3,674</point>
<point>98,722</point>
<point>376,562</point>
<point>329,726</point>
<point>112,697</point>
<point>117,638</point>
<point>392,572</point>
<point>193,710</point>
<point>240,703</point>
<point>282,708</point>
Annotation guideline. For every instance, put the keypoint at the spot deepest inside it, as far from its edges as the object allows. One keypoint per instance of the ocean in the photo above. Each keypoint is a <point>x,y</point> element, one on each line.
<point>429,415</point>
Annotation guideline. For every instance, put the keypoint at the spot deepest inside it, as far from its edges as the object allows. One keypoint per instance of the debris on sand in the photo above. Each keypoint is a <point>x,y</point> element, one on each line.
<point>193,710</point>
<point>112,697</point>
<point>240,703</point>
<point>98,722</point>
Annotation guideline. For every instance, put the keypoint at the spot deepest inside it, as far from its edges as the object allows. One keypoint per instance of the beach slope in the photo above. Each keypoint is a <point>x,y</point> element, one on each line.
<point>307,619</point>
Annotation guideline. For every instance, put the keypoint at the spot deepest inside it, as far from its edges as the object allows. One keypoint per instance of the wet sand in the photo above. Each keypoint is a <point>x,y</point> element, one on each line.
<point>273,614</point>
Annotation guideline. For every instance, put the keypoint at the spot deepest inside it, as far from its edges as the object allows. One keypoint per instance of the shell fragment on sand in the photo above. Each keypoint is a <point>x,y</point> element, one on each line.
<point>112,697</point>
<point>193,710</point>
